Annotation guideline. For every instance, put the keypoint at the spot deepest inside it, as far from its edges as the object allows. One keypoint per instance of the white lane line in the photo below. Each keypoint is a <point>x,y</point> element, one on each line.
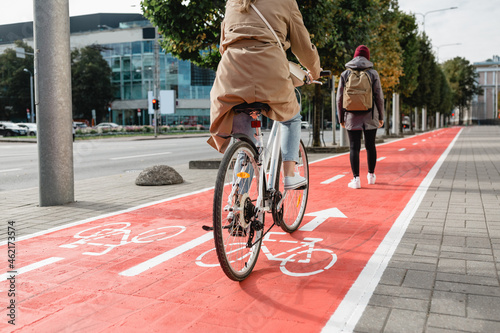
<point>381,158</point>
<point>355,301</point>
<point>10,170</point>
<point>402,149</point>
<point>136,156</point>
<point>424,140</point>
<point>31,267</point>
<point>331,180</point>
<point>148,264</point>
<point>416,143</point>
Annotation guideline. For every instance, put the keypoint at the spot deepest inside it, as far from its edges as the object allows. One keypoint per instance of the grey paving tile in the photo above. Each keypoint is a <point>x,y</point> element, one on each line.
<point>483,307</point>
<point>455,266</point>
<point>373,319</point>
<point>462,324</point>
<point>419,279</point>
<point>405,321</point>
<point>449,303</point>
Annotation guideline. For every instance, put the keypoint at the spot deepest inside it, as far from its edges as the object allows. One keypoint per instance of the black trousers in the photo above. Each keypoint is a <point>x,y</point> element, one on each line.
<point>355,148</point>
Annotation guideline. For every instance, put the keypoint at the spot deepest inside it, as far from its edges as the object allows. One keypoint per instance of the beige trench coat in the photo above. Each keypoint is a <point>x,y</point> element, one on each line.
<point>253,67</point>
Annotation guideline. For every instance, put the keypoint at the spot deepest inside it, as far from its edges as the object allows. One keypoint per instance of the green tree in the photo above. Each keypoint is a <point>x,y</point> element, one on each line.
<point>462,77</point>
<point>408,41</point>
<point>15,96</point>
<point>90,83</point>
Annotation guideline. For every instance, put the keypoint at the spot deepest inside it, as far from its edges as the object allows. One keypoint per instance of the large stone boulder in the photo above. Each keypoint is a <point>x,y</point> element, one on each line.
<point>158,175</point>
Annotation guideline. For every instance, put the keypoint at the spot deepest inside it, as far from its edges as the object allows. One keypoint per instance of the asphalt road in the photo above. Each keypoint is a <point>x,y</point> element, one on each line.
<point>104,157</point>
<point>96,158</point>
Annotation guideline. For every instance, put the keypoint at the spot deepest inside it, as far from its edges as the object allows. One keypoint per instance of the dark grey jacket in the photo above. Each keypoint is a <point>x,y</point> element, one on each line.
<point>360,120</point>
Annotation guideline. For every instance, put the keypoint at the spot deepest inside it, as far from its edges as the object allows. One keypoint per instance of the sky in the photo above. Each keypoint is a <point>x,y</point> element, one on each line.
<point>471,31</point>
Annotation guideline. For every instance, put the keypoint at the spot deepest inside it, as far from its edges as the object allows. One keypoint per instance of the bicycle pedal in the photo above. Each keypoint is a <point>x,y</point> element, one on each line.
<point>207,228</point>
<point>303,187</point>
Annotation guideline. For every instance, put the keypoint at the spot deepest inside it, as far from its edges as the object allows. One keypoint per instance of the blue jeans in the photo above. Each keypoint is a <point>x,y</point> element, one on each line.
<point>290,134</point>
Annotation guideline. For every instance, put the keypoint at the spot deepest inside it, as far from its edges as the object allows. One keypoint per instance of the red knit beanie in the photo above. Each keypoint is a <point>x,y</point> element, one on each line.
<point>362,51</point>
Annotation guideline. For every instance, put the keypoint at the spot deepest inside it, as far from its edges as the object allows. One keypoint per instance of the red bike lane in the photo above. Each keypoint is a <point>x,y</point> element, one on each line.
<point>154,269</point>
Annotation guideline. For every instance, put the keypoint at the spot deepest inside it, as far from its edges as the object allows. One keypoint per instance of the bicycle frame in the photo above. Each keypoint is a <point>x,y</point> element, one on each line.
<point>268,154</point>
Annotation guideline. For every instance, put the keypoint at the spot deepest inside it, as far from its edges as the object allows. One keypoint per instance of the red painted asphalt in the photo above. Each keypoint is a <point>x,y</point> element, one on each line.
<point>153,269</point>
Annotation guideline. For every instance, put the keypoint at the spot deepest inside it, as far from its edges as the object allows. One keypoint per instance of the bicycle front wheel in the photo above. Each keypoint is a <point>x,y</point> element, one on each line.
<point>237,225</point>
<point>295,202</point>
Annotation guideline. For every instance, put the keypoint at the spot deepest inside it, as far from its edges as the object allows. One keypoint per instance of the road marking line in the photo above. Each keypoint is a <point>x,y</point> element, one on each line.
<point>31,267</point>
<point>349,311</point>
<point>416,143</point>
<point>146,155</point>
<point>148,264</point>
<point>331,180</point>
<point>381,158</point>
<point>402,149</point>
<point>10,170</point>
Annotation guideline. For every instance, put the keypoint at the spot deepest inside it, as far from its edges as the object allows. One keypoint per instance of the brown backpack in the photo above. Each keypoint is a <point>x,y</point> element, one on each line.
<point>358,94</point>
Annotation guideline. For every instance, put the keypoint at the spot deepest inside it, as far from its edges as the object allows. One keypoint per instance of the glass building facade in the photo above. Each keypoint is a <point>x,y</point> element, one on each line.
<point>132,61</point>
<point>133,65</point>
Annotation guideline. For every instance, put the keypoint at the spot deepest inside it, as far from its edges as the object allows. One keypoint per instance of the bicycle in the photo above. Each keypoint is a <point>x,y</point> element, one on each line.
<point>248,186</point>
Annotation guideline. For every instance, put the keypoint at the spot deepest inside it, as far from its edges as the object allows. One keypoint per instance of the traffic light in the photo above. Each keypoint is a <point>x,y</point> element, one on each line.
<point>156,104</point>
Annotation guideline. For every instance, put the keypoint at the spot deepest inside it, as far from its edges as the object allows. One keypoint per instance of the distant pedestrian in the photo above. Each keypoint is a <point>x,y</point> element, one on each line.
<point>361,119</point>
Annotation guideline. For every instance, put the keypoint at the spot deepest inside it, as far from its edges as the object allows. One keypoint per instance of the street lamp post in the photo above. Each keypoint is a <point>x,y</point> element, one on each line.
<point>31,92</point>
<point>438,47</point>
<point>433,11</point>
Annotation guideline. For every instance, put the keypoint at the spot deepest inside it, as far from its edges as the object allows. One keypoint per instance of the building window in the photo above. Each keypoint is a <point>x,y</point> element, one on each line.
<point>201,76</point>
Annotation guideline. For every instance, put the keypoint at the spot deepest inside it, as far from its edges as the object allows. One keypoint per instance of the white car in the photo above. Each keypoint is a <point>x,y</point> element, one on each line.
<point>29,127</point>
<point>305,124</point>
<point>8,128</point>
<point>108,125</point>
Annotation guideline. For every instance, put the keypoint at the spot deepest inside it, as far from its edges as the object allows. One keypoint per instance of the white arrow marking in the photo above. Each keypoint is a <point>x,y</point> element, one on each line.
<point>331,180</point>
<point>380,159</point>
<point>402,149</point>
<point>321,217</point>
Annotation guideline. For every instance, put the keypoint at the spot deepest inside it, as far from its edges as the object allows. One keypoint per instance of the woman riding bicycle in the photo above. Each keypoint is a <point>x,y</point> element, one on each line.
<point>253,68</point>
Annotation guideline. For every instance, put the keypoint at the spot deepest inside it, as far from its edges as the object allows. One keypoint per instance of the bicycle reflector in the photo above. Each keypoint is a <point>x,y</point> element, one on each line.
<point>255,123</point>
<point>243,175</point>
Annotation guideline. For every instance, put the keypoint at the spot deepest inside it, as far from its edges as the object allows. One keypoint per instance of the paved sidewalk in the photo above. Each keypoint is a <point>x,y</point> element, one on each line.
<point>443,277</point>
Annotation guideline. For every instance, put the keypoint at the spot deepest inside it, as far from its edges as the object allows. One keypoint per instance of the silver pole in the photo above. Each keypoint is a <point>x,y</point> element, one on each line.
<point>495,112</point>
<point>334,110</point>
<point>53,100</point>
<point>31,93</point>
<point>156,78</point>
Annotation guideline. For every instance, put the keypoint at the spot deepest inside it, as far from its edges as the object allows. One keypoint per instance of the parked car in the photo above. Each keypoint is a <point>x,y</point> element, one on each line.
<point>29,127</point>
<point>79,124</point>
<point>107,126</point>
<point>8,128</point>
<point>305,124</point>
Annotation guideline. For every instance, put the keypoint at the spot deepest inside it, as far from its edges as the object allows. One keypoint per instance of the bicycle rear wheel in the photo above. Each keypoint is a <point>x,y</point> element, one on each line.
<point>237,226</point>
<point>295,202</point>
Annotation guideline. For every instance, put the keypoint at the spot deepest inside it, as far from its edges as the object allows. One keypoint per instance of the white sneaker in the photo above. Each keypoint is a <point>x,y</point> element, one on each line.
<point>371,178</point>
<point>355,183</point>
<point>291,183</point>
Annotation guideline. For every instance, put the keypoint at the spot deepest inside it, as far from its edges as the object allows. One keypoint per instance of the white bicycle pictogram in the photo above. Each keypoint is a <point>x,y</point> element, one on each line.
<point>304,253</point>
<point>116,234</point>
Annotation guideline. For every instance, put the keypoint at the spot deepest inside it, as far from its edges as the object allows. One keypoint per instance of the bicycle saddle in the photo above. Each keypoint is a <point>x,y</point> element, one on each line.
<point>247,108</point>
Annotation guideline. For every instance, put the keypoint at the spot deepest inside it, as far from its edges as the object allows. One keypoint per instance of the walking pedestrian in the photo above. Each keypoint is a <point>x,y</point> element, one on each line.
<point>363,116</point>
